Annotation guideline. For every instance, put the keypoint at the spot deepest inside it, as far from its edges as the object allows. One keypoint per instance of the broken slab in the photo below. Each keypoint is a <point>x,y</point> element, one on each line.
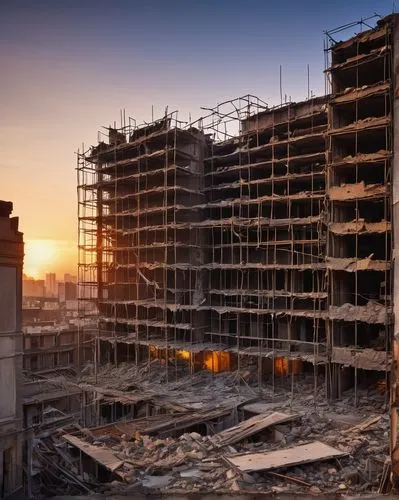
<point>378,156</point>
<point>101,455</point>
<point>359,226</point>
<point>366,359</point>
<point>357,191</point>
<point>249,427</point>
<point>353,264</point>
<point>372,312</point>
<point>367,123</point>
<point>312,452</point>
<point>353,94</point>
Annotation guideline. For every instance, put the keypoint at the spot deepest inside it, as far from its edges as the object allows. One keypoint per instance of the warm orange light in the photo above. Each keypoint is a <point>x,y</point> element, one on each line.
<point>283,367</point>
<point>154,352</point>
<point>217,361</point>
<point>40,256</point>
<point>183,355</point>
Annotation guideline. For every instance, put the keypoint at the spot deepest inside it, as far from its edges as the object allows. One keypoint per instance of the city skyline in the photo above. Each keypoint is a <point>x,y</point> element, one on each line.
<point>66,277</point>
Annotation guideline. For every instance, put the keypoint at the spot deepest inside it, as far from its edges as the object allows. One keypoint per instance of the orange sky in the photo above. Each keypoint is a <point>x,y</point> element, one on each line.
<point>44,255</point>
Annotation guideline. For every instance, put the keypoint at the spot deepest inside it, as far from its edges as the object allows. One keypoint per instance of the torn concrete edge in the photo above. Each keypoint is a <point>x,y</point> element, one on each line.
<point>363,37</point>
<point>356,191</point>
<point>353,93</point>
<point>355,264</point>
<point>359,226</point>
<point>366,359</point>
<point>372,312</point>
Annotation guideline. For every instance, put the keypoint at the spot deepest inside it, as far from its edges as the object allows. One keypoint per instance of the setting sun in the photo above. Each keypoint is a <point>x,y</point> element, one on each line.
<point>40,257</point>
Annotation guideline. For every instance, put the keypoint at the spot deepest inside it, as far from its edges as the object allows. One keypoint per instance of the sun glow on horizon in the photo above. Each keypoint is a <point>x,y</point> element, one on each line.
<point>40,257</point>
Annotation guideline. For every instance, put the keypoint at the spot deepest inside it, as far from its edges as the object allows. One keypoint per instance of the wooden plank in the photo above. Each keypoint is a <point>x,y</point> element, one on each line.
<point>101,455</point>
<point>249,427</point>
<point>312,452</point>
<point>362,426</point>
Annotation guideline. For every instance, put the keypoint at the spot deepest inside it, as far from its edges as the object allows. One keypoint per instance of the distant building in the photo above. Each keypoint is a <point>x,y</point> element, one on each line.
<point>11,431</point>
<point>70,291</point>
<point>61,291</point>
<point>51,285</point>
<point>67,291</point>
<point>70,278</point>
<point>33,288</point>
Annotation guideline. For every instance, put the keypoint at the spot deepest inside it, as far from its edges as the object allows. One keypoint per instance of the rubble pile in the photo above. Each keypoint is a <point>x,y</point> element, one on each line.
<point>202,389</point>
<point>193,462</point>
<point>172,451</point>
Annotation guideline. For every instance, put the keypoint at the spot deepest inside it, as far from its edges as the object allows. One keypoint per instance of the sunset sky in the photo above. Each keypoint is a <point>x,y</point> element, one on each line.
<point>68,67</point>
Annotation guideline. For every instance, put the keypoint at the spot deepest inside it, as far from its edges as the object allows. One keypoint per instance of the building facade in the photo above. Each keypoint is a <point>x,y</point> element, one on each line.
<point>11,425</point>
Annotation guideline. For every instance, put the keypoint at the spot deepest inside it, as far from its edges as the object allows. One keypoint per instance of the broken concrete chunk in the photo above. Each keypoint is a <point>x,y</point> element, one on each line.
<point>231,473</point>
<point>191,473</point>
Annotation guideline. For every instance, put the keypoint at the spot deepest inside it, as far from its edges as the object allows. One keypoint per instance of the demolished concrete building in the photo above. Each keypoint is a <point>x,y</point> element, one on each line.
<point>274,243</point>
<point>270,248</point>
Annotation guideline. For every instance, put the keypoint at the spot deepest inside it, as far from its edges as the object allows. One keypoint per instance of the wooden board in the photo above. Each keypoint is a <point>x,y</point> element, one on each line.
<point>101,455</point>
<point>312,452</point>
<point>249,427</point>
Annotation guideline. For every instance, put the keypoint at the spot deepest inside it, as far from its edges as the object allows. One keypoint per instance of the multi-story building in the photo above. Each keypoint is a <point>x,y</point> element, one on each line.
<point>51,285</point>
<point>52,349</point>
<point>70,278</point>
<point>11,426</point>
<point>272,247</point>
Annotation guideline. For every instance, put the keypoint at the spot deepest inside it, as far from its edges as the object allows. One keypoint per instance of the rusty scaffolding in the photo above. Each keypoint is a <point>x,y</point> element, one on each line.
<point>139,261</point>
<point>359,142</point>
<point>254,238</point>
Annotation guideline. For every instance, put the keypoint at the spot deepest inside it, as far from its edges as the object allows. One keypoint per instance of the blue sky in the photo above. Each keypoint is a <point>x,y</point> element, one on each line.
<point>68,67</point>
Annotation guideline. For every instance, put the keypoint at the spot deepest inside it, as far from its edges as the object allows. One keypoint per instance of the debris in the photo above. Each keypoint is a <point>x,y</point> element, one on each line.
<point>192,473</point>
<point>364,425</point>
<point>235,486</point>
<point>156,481</point>
<point>249,427</point>
<point>289,478</point>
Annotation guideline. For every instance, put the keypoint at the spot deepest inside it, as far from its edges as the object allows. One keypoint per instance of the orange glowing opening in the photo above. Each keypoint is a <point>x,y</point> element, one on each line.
<point>154,354</point>
<point>283,366</point>
<point>183,355</point>
<point>217,361</point>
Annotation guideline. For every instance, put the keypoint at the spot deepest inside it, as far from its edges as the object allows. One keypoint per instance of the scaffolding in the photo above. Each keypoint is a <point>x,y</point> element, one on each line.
<point>139,255</point>
<point>359,153</point>
<point>258,235</point>
<point>265,270</point>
